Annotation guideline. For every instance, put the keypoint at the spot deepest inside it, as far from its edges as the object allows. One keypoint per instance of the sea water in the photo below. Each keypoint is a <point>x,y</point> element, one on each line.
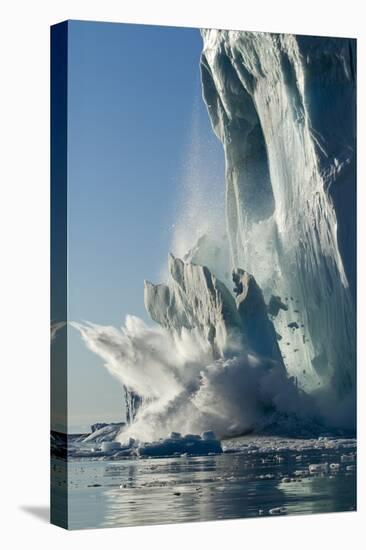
<point>263,477</point>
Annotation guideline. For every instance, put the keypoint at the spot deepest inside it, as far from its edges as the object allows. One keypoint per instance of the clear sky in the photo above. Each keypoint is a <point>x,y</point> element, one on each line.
<point>133,93</point>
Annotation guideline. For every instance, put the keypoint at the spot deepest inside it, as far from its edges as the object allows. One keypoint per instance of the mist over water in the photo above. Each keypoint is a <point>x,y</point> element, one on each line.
<point>201,191</point>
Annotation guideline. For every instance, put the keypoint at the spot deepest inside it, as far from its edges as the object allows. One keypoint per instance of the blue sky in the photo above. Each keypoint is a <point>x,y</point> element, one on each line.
<point>133,92</point>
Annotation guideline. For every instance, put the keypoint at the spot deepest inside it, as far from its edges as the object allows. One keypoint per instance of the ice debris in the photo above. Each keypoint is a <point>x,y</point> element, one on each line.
<point>279,511</point>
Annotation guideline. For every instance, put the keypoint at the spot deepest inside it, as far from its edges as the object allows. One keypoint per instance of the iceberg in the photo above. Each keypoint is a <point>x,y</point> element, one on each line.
<point>254,330</point>
<point>284,108</point>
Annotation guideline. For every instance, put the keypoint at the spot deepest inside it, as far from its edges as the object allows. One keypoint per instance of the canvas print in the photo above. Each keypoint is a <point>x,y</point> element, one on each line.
<point>203,274</point>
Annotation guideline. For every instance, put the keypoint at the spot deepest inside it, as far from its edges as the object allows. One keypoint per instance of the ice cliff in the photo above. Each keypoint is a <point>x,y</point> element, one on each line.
<point>284,108</point>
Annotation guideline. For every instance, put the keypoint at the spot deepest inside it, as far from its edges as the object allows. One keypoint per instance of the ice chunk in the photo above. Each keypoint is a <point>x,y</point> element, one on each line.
<point>321,468</point>
<point>301,473</point>
<point>348,458</point>
<point>281,510</point>
<point>190,444</point>
<point>108,446</point>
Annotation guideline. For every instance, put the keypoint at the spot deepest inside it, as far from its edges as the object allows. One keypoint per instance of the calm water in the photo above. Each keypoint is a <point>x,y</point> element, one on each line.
<point>245,484</point>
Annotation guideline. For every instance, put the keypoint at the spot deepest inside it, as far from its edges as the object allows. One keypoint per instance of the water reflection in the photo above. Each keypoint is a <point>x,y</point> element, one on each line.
<point>151,491</point>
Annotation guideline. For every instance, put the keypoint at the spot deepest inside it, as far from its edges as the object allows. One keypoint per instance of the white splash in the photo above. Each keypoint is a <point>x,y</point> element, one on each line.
<point>184,388</point>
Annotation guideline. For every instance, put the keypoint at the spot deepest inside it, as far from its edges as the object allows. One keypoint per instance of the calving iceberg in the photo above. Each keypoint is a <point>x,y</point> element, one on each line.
<point>213,364</point>
<point>255,329</point>
<point>196,299</point>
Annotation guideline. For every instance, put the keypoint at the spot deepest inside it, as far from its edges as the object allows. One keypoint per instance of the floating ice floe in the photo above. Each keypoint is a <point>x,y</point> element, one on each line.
<point>321,468</point>
<point>301,473</point>
<point>178,445</point>
<point>266,476</point>
<point>280,459</point>
<point>108,446</point>
<point>107,449</point>
<point>348,458</point>
<point>273,444</point>
<point>281,510</point>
